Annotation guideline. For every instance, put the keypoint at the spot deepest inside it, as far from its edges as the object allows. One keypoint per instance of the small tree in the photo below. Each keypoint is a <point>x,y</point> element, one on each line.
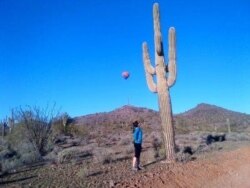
<point>37,123</point>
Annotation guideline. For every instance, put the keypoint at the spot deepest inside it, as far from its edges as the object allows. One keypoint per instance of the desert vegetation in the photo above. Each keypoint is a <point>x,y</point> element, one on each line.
<point>96,150</point>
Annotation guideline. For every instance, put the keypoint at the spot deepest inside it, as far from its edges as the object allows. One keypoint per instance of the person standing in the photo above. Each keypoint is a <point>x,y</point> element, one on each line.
<point>137,140</point>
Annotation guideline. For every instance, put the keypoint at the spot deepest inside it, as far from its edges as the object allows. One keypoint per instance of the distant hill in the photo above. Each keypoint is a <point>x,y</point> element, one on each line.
<point>206,116</point>
<point>202,117</point>
<point>121,117</point>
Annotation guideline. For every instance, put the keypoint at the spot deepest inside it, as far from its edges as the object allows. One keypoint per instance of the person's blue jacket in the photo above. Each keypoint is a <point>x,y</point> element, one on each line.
<point>137,135</point>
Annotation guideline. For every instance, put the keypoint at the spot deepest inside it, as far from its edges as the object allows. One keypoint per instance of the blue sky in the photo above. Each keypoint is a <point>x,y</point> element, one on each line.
<point>72,53</point>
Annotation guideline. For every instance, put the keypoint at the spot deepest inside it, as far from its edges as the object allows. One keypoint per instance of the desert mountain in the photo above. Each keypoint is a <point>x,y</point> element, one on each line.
<point>121,117</point>
<point>202,117</point>
<point>206,116</point>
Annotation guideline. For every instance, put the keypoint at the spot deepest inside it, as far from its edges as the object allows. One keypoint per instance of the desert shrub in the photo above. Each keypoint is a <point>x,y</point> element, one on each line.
<point>3,145</point>
<point>16,150</point>
<point>51,157</point>
<point>154,134</point>
<point>8,157</point>
<point>77,130</point>
<point>148,156</point>
<point>28,153</point>
<point>7,153</point>
<point>36,123</point>
<point>18,135</point>
<point>71,130</point>
<point>215,138</point>
<point>129,149</point>
<point>29,139</point>
<point>10,164</point>
<point>24,155</point>
<point>76,141</point>
<point>57,128</point>
<point>83,172</point>
<point>162,152</point>
<point>63,124</point>
<point>125,140</point>
<point>64,156</point>
<point>238,136</point>
<point>69,154</point>
<point>188,150</point>
<point>18,141</point>
<point>183,157</point>
<point>156,144</point>
<point>184,153</point>
<point>103,155</point>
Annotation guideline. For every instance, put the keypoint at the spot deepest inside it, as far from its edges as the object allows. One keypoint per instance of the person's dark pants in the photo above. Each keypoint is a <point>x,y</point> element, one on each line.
<point>137,150</point>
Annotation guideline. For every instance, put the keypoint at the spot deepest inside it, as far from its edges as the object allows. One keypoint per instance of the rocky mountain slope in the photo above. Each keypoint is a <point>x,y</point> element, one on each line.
<point>211,117</point>
<point>121,117</point>
<point>202,117</point>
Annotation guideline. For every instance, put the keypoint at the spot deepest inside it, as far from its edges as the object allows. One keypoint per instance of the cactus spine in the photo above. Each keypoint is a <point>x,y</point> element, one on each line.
<point>165,78</point>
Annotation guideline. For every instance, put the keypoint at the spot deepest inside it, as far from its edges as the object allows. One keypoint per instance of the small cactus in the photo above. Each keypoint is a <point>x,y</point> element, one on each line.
<point>11,122</point>
<point>228,125</point>
<point>65,118</point>
<point>3,129</point>
<point>165,77</point>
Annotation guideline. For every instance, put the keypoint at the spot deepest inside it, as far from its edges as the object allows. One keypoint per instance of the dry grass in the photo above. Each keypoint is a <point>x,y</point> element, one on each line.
<point>103,155</point>
<point>125,140</point>
<point>73,153</point>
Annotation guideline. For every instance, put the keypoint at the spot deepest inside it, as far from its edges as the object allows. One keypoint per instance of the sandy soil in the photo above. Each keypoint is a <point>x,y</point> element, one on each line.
<point>227,169</point>
<point>222,168</point>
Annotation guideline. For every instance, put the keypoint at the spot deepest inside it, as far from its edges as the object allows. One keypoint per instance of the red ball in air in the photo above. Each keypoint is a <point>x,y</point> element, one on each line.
<point>125,74</point>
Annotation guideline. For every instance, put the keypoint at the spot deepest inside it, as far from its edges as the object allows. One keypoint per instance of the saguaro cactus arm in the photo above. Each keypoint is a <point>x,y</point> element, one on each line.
<point>157,30</point>
<point>146,59</point>
<point>171,57</point>
<point>149,69</point>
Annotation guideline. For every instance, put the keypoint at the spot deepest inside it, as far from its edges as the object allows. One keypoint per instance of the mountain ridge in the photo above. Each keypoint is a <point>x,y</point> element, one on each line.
<point>202,116</point>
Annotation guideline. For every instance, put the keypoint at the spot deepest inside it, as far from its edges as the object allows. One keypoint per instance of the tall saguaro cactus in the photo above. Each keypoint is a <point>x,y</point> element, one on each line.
<point>165,78</point>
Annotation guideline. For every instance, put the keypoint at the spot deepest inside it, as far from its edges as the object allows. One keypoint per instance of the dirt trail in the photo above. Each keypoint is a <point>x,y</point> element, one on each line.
<point>222,169</point>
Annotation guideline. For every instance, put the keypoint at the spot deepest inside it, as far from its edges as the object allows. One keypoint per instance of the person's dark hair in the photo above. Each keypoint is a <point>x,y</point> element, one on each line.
<point>135,124</point>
